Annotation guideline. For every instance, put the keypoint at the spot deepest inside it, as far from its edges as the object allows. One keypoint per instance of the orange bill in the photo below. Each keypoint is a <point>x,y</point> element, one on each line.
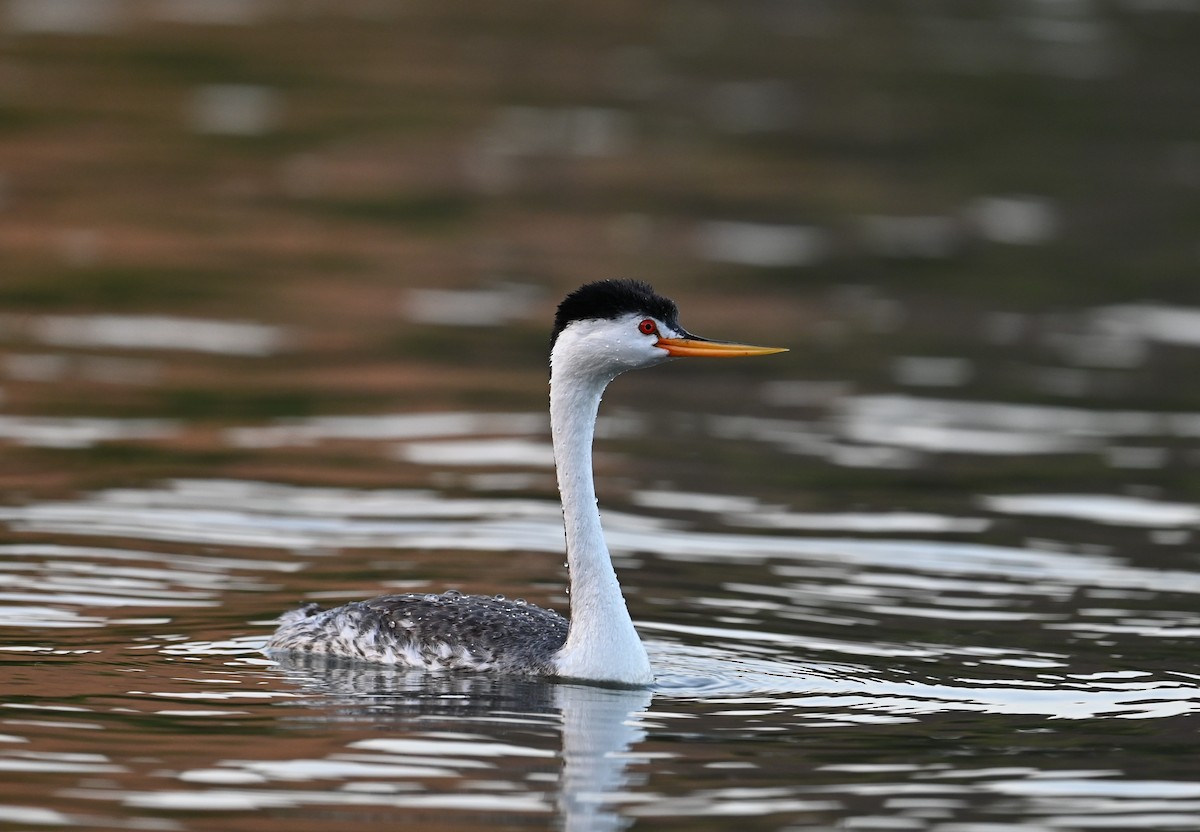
<point>700,348</point>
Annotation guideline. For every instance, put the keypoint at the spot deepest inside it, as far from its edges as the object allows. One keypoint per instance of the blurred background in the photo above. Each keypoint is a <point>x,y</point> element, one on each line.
<point>215,212</point>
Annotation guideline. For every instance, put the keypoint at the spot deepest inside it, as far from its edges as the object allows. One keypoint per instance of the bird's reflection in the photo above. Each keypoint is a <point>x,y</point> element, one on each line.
<point>598,726</point>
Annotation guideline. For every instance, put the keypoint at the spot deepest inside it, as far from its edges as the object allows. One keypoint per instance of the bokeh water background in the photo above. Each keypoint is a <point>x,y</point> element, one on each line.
<point>275,294</point>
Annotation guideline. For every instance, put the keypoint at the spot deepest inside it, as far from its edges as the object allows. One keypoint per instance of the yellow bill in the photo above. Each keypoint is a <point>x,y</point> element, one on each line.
<point>698,347</point>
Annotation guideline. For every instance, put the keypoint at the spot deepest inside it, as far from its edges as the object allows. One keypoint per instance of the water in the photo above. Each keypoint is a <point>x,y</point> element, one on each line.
<point>276,290</point>
<point>873,669</point>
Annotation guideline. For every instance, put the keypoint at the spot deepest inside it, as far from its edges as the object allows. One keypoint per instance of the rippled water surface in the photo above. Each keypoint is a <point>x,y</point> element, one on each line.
<point>276,289</point>
<point>994,660</point>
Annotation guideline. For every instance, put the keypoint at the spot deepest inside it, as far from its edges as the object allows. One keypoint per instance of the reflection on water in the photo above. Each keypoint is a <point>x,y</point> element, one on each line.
<point>157,333</point>
<point>275,292</point>
<point>896,431</point>
<point>791,634</point>
<point>482,307</point>
<point>403,426</point>
<point>896,658</point>
<point>597,727</point>
<point>47,432</point>
<point>1099,508</point>
<point>982,427</point>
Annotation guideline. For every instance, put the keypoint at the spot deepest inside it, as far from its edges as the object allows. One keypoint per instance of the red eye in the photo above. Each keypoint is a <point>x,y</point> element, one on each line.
<point>648,327</point>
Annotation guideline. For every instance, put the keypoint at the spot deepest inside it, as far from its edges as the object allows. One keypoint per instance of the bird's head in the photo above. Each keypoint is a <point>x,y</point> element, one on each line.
<point>603,329</point>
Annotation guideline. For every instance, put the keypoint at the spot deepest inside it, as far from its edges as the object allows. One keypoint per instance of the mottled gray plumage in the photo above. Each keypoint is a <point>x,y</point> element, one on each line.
<point>434,632</point>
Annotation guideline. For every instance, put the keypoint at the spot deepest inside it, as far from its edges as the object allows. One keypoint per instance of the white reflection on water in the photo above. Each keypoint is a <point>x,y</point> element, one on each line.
<point>760,244</point>
<point>827,695</point>
<point>33,616</point>
<point>748,512</point>
<point>245,513</point>
<point>909,423</point>
<point>290,517</point>
<point>889,522</point>
<point>1149,322</point>
<point>694,501</point>
<point>955,427</point>
<point>844,580</point>
<point>228,800</point>
<point>158,332</point>
<point>473,742</point>
<point>894,431</point>
<point>234,109</point>
<point>1018,220</point>
<point>512,452</point>
<point>1060,421</point>
<point>490,307</point>
<point>81,432</point>
<point>828,581</point>
<point>44,761</point>
<point>35,816</point>
<point>1099,508</point>
<point>738,653</point>
<point>49,585</point>
<point>389,426</point>
<point>66,17</point>
<point>729,669</point>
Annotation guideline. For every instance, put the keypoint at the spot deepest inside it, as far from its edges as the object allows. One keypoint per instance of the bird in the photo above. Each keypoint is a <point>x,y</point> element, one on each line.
<point>601,330</point>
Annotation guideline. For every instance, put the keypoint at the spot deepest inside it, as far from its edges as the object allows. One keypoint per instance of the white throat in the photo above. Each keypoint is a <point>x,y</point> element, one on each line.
<point>602,644</point>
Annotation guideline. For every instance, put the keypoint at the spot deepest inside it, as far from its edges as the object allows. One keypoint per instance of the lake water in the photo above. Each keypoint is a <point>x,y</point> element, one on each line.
<point>276,289</point>
<point>984,661</point>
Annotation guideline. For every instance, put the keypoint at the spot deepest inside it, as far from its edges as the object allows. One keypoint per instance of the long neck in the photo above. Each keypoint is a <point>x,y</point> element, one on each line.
<point>602,644</point>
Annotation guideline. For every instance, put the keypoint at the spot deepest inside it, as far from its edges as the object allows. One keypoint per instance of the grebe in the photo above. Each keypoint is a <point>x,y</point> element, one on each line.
<point>601,330</point>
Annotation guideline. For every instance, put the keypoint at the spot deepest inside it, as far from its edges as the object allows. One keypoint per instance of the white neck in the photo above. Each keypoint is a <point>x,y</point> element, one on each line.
<point>602,644</point>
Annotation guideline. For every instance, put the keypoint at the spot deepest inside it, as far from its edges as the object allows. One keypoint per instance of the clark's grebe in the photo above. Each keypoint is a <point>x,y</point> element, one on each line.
<point>601,330</point>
